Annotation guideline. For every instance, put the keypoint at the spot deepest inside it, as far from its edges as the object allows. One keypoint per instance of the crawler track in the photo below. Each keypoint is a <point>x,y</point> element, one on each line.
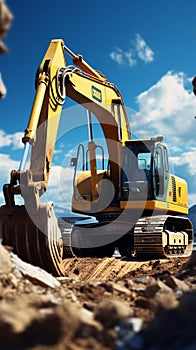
<point>163,236</point>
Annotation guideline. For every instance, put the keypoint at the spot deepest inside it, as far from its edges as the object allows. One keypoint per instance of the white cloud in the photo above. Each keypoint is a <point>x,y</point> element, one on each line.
<point>130,58</point>
<point>139,50</point>
<point>7,164</point>
<point>60,182</point>
<point>168,108</point>
<point>5,140</point>
<point>17,140</point>
<point>60,186</point>
<point>60,176</point>
<point>118,56</point>
<point>11,140</point>
<point>188,159</point>
<point>192,199</point>
<point>144,52</point>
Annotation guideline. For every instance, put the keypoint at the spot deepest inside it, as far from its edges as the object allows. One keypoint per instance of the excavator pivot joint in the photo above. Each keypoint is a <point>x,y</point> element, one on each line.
<point>31,192</point>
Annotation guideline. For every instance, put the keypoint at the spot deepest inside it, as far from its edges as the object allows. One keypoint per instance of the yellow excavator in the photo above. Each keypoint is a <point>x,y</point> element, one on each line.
<point>138,206</point>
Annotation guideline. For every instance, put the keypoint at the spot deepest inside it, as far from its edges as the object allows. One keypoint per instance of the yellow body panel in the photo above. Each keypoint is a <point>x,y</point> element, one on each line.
<point>153,205</point>
<point>177,193</point>
<point>83,183</point>
<point>176,199</point>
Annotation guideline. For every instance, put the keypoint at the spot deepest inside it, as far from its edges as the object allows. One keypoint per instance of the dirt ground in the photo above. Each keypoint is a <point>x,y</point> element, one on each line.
<point>110,269</point>
<point>110,303</point>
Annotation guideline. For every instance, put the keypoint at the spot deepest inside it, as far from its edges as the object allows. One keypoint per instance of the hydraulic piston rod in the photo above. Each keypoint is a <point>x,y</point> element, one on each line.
<point>78,60</point>
<point>92,153</point>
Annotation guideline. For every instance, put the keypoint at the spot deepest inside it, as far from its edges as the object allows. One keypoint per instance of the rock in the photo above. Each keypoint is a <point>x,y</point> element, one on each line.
<point>34,273</point>
<point>156,295</point>
<point>27,320</point>
<point>142,302</point>
<point>118,289</point>
<point>13,315</point>
<point>89,305</point>
<point>112,312</point>
<point>5,261</point>
<point>176,284</point>
<point>164,300</point>
<point>88,323</point>
<point>154,287</point>
<point>143,279</point>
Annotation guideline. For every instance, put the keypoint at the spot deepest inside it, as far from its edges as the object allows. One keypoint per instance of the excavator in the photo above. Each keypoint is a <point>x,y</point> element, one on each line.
<point>137,205</point>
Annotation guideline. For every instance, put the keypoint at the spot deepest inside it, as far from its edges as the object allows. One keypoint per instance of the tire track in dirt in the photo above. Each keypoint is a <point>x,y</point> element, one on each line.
<point>91,269</point>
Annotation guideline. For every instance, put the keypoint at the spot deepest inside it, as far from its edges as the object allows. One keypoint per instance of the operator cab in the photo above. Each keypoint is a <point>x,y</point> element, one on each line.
<point>145,170</point>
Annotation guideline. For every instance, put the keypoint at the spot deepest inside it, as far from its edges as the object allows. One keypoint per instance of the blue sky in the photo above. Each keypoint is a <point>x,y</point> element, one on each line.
<point>146,47</point>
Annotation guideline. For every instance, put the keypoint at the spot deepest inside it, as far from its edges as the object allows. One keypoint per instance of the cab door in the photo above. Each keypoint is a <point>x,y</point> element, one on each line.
<point>161,171</point>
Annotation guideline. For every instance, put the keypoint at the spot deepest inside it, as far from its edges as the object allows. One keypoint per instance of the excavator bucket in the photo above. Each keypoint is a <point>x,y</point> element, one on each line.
<point>36,238</point>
